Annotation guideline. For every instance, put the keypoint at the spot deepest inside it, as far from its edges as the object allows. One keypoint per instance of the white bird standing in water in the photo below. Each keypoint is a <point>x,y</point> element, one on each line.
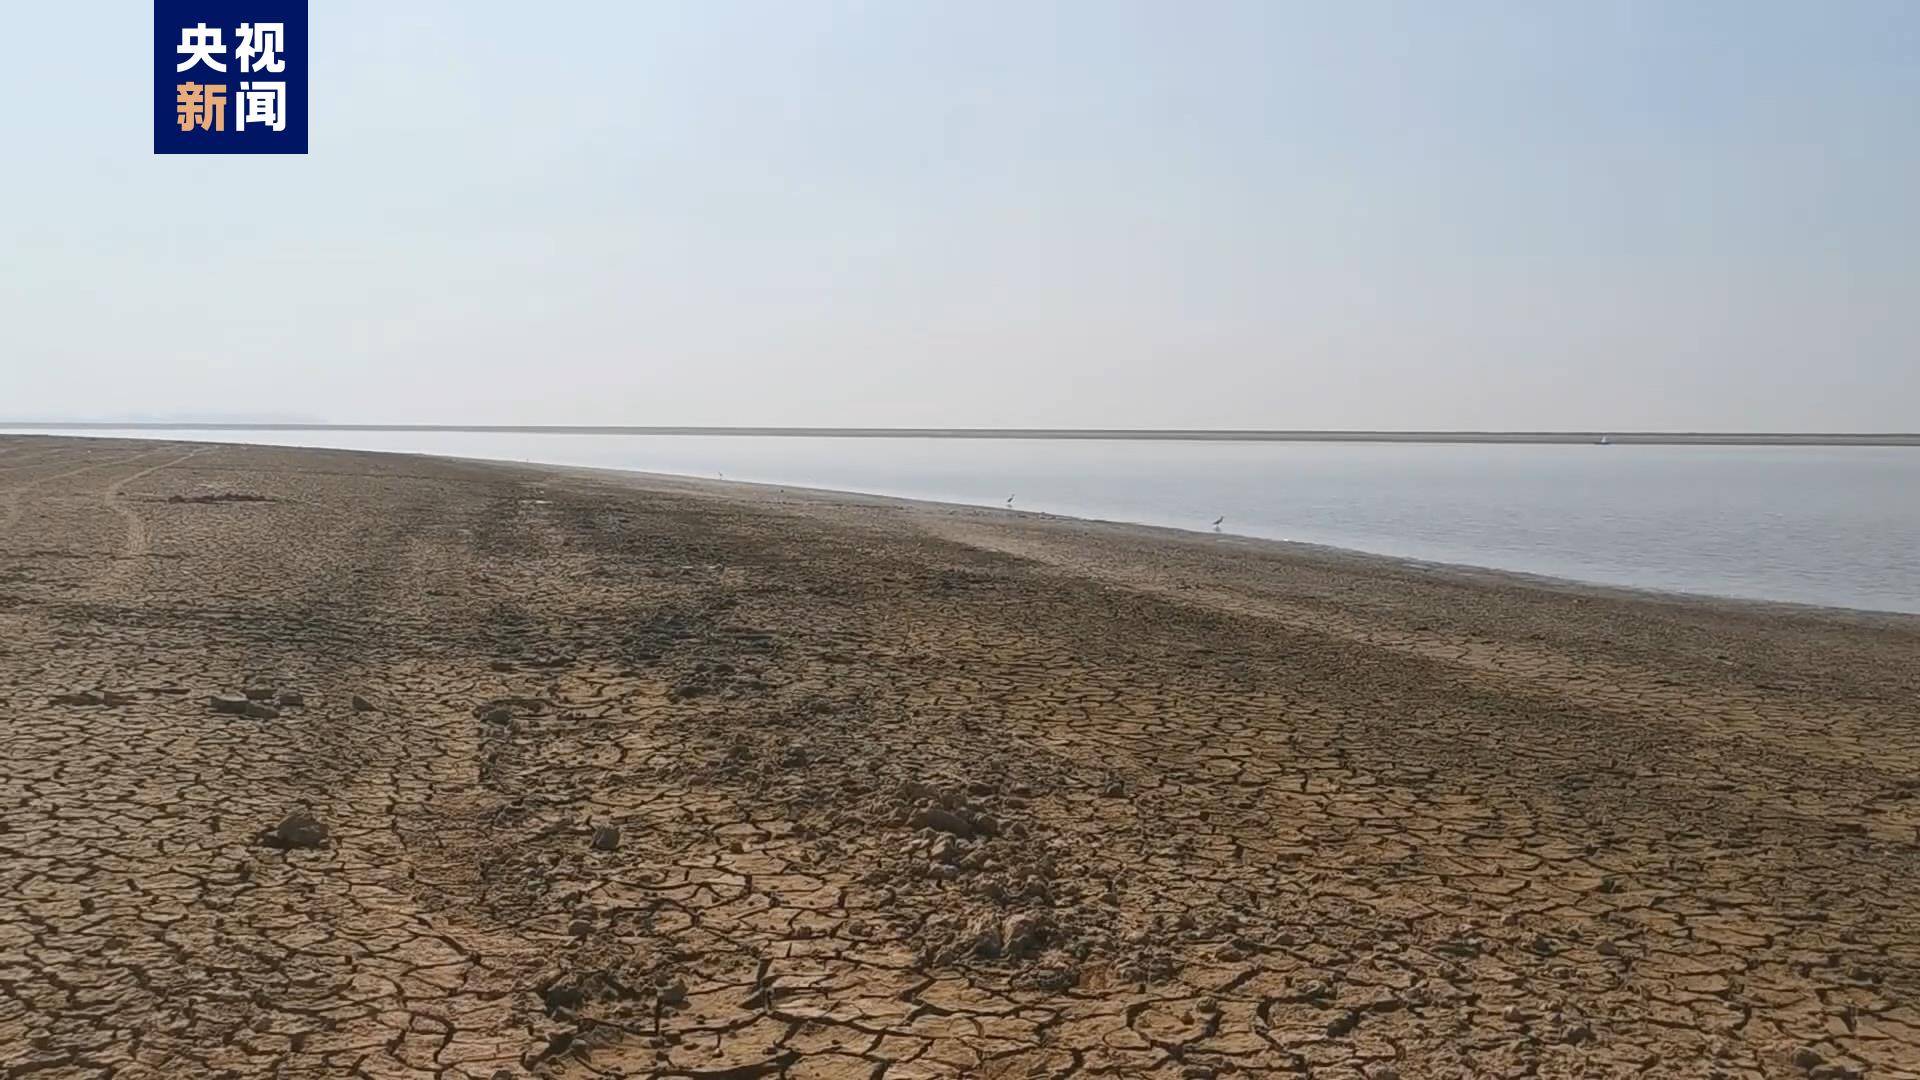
<point>1217,521</point>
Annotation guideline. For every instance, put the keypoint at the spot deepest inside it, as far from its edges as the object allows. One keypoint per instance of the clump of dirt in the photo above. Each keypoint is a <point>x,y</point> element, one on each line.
<point>503,711</point>
<point>299,829</point>
<point>109,698</point>
<point>218,497</point>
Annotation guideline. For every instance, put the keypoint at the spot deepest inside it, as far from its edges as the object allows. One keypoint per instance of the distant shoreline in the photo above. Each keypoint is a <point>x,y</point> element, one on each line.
<point>1622,438</point>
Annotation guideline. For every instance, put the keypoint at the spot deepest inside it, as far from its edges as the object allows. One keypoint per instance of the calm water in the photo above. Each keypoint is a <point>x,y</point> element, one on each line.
<point>1821,525</point>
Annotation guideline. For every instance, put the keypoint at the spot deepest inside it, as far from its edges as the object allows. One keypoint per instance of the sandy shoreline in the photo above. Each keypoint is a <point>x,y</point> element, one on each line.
<point>905,789</point>
<point>1291,550</point>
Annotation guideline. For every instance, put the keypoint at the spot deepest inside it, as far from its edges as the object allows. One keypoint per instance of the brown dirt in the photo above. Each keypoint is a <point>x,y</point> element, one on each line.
<point>651,777</point>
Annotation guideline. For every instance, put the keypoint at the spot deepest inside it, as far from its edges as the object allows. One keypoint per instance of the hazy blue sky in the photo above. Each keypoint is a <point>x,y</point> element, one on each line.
<point>1597,215</point>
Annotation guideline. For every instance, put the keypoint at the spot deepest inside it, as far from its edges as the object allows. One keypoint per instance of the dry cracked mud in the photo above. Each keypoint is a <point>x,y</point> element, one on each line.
<point>332,764</point>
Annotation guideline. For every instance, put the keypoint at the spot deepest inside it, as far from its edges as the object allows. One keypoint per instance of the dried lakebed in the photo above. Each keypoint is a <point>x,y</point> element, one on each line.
<point>321,763</point>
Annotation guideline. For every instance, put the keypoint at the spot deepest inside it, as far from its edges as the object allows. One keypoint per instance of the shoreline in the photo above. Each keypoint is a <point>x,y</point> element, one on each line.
<point>328,762</point>
<point>1465,572</point>
<point>1409,563</point>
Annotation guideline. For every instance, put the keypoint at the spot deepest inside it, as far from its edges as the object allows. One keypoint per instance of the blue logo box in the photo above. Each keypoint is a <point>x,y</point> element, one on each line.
<point>229,76</point>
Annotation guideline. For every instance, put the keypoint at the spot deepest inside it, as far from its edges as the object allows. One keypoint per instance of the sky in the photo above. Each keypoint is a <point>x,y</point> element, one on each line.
<point>1562,215</point>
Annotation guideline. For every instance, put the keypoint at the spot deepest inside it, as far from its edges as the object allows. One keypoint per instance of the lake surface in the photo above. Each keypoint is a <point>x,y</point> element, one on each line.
<point>1837,526</point>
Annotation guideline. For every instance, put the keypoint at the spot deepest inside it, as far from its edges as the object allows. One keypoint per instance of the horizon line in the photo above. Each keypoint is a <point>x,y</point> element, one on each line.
<point>1746,438</point>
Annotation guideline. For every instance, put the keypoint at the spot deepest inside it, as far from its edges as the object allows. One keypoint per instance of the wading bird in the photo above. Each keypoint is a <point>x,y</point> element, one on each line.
<point>1217,521</point>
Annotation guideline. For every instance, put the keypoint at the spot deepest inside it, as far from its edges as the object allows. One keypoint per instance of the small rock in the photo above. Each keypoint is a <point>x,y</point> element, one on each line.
<point>1047,980</point>
<point>299,829</point>
<point>606,838</point>
<point>233,704</point>
<point>561,994</point>
<point>985,936</point>
<point>259,711</point>
<point>942,819</point>
<point>1343,1024</point>
<point>361,704</point>
<point>498,716</point>
<point>673,993</point>
<point>258,693</point>
<point>289,697</point>
<point>1383,1072</point>
<point>1806,1058</point>
<point>1023,933</point>
<point>84,697</point>
<point>111,699</point>
<point>579,928</point>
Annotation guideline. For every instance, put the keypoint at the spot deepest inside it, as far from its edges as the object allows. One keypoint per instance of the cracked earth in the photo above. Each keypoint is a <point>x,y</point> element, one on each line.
<point>331,764</point>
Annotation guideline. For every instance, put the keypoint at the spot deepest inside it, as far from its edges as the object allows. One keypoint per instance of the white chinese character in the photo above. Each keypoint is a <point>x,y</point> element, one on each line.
<point>266,39</point>
<point>198,46</point>
<point>262,103</point>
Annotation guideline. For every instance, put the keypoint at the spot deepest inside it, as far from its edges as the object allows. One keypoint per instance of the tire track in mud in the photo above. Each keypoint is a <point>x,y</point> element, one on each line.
<point>1813,757</point>
<point>135,539</point>
<point>14,494</point>
<point>1763,718</point>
